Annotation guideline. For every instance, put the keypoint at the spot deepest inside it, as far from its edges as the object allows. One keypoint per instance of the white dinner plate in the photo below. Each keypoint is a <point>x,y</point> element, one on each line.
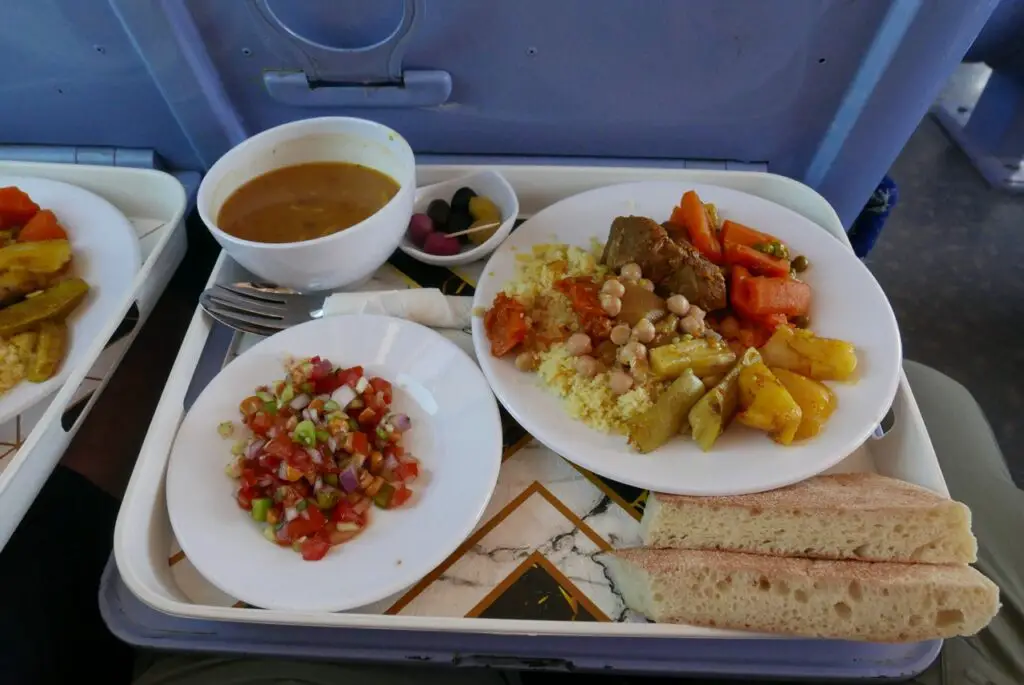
<point>106,255</point>
<point>456,434</point>
<point>847,303</point>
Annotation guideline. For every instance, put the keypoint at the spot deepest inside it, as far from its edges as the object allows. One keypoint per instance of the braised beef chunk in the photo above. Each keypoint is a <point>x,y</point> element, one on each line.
<point>641,240</point>
<point>675,267</point>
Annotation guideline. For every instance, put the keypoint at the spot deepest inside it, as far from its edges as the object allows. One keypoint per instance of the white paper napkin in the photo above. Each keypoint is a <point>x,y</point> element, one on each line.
<point>452,315</point>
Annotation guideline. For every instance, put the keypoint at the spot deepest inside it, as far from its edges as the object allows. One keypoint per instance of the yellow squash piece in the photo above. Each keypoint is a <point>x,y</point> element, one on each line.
<point>712,413</point>
<point>54,303</point>
<point>802,352</point>
<point>703,357</point>
<point>49,352</point>
<point>657,425</point>
<point>767,405</point>
<point>41,257</point>
<point>816,400</point>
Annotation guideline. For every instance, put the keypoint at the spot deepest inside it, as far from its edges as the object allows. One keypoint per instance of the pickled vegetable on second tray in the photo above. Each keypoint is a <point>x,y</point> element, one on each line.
<point>38,290</point>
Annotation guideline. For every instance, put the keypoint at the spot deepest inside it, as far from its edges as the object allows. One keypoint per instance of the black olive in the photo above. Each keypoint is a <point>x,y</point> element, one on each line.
<point>458,221</point>
<point>461,198</point>
<point>439,211</point>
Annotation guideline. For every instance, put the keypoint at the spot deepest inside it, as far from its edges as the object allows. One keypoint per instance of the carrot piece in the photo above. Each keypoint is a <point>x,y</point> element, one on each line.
<point>763,296</point>
<point>695,220</point>
<point>739,298</point>
<point>43,226</point>
<point>677,224</point>
<point>738,234</point>
<point>16,207</point>
<point>758,262</point>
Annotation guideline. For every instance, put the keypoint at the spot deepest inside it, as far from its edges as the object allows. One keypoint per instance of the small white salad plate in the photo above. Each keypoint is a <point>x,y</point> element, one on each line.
<point>488,183</point>
<point>456,434</point>
<point>104,253</point>
<point>847,303</point>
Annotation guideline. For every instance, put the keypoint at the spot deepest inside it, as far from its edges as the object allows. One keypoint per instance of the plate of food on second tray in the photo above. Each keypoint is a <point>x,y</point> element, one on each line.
<point>67,258</point>
<point>687,339</point>
<point>334,464</point>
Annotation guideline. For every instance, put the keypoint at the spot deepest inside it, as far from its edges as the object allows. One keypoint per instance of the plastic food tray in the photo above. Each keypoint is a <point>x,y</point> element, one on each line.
<point>529,568</point>
<point>32,443</point>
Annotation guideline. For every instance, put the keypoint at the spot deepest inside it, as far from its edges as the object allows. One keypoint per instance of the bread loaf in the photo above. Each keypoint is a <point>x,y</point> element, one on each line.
<point>849,516</point>
<point>879,602</point>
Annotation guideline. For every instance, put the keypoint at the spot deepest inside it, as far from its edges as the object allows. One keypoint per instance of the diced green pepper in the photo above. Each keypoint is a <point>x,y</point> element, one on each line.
<point>382,433</point>
<point>266,396</point>
<point>269,534</point>
<point>226,428</point>
<point>331,405</point>
<point>301,505</point>
<point>383,497</point>
<point>331,479</point>
<point>260,507</point>
<point>305,433</point>
<point>287,394</point>
<point>325,499</point>
<point>307,388</point>
<point>238,449</point>
<point>280,493</point>
<point>270,407</point>
<point>322,436</point>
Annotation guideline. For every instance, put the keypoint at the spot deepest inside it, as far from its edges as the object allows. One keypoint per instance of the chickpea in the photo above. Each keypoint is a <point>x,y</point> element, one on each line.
<point>527,361</point>
<point>678,305</point>
<point>620,382</point>
<point>631,272</point>
<point>613,287</point>
<point>730,327</point>
<point>620,334</point>
<point>587,366</point>
<point>640,370</point>
<point>692,325</point>
<point>697,313</point>
<point>632,351</point>
<point>578,344</point>
<point>644,331</point>
<point>611,304</point>
<point>647,284</point>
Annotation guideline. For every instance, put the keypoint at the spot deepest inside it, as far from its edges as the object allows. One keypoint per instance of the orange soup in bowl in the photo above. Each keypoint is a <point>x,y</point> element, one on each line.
<point>305,201</point>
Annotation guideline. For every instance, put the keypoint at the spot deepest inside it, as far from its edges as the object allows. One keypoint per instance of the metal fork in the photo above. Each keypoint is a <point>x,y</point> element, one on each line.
<point>259,308</point>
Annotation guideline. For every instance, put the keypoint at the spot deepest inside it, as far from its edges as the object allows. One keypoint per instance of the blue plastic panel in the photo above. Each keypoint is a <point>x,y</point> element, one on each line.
<point>71,76</point>
<point>825,91</point>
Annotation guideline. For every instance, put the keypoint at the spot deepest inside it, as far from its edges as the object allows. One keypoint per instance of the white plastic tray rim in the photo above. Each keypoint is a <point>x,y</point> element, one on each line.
<point>142,536</point>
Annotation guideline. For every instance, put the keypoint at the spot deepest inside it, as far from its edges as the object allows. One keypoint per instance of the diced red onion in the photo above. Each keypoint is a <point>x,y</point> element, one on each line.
<point>318,485</point>
<point>323,367</point>
<point>390,462</point>
<point>254,448</point>
<point>349,480</point>
<point>274,431</point>
<point>361,506</point>
<point>401,422</point>
<point>314,415</point>
<point>324,397</point>
<point>332,444</point>
<point>306,415</point>
<point>300,402</point>
<point>315,455</point>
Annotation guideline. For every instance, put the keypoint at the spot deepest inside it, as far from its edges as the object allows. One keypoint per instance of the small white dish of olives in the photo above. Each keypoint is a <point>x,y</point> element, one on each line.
<point>483,200</point>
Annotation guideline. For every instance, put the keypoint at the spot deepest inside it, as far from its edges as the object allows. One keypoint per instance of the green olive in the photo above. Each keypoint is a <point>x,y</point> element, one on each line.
<point>800,264</point>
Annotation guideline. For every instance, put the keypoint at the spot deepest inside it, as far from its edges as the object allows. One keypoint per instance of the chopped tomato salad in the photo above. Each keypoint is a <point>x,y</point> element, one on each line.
<point>323,448</point>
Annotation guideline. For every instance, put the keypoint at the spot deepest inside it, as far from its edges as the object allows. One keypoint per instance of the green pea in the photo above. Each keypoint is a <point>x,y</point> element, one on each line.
<point>800,264</point>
